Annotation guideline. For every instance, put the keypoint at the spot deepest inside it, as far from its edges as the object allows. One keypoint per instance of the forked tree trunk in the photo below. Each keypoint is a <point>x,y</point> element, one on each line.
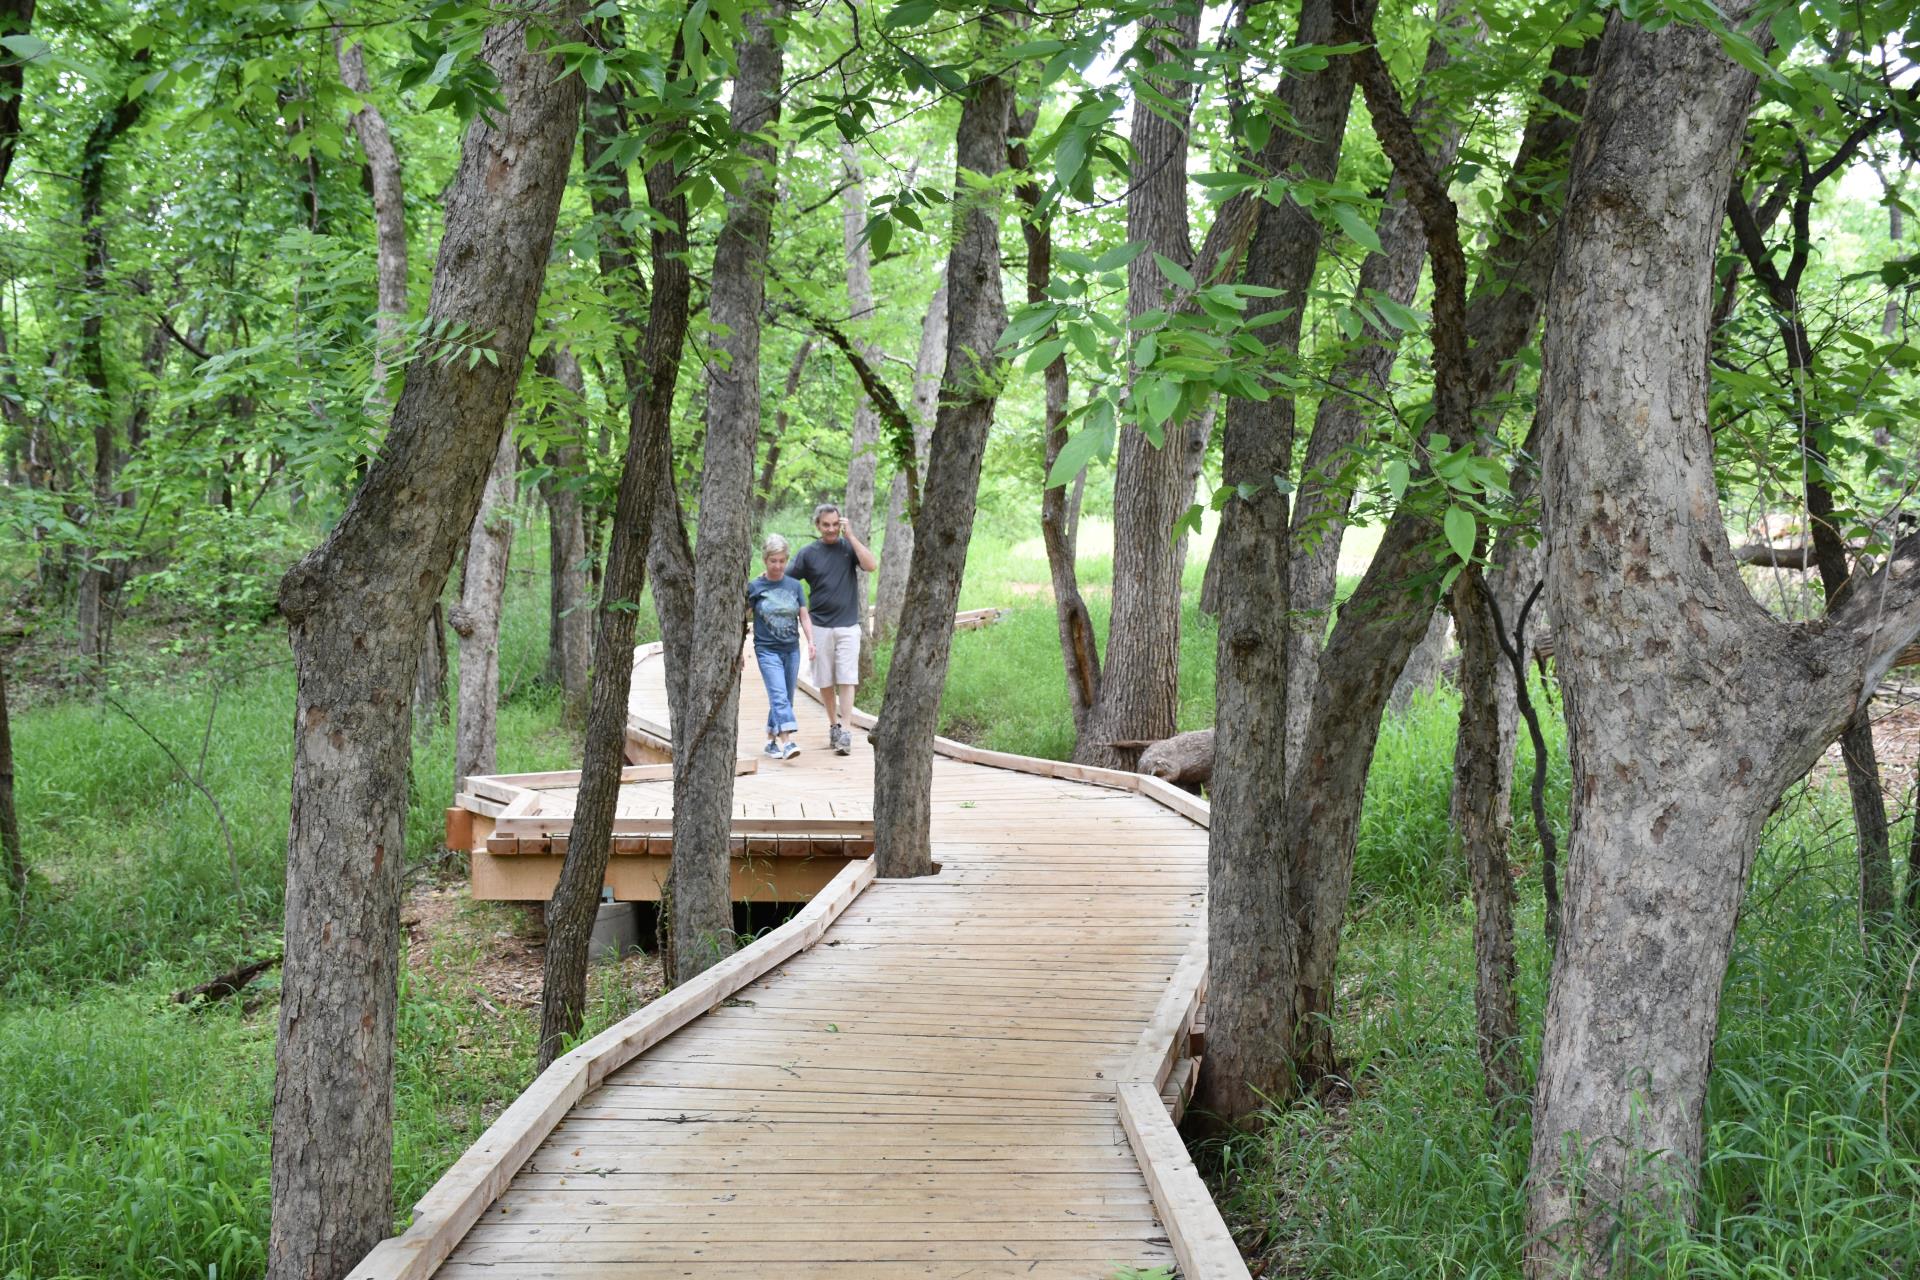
<point>355,606</point>
<point>977,315</point>
<point>644,471</point>
<point>1341,420</point>
<point>569,611</point>
<point>897,552</point>
<point>1391,608</point>
<point>706,736</point>
<point>1481,821</point>
<point>476,619</point>
<point>1689,709</point>
<point>863,446</point>
<point>1252,933</point>
<point>1139,693</point>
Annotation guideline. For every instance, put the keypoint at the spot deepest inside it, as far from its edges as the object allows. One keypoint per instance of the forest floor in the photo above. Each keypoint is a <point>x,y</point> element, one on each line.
<point>133,1133</point>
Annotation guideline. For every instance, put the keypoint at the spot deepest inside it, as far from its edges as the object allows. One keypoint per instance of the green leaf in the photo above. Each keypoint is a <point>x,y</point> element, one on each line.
<point>1077,453</point>
<point>1398,474</point>
<point>1356,227</point>
<point>910,13</point>
<point>1118,256</point>
<point>1163,397</point>
<point>1461,529</point>
<point>1174,271</point>
<point>25,46</point>
<point>1045,354</point>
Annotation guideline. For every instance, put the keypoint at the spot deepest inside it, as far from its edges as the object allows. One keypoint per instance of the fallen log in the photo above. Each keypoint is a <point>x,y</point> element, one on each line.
<point>230,983</point>
<point>1185,760</point>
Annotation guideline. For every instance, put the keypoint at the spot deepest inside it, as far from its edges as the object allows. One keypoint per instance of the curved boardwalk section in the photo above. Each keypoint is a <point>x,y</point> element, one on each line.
<point>945,1077</point>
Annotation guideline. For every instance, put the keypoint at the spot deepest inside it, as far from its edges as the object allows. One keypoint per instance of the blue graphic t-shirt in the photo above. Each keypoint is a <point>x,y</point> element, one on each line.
<point>776,609</point>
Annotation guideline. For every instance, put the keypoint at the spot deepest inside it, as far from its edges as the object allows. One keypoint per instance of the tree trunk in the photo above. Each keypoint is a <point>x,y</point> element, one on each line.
<point>706,738</point>
<point>16,19</point>
<point>1342,418</point>
<point>355,606</point>
<point>1689,709</point>
<point>100,577</point>
<point>977,315</point>
<point>16,854</point>
<point>430,673</point>
<point>1139,691</point>
<point>643,474</point>
<point>569,611</point>
<point>476,619</point>
<point>1421,674</point>
<point>389,212</point>
<point>1079,649</point>
<point>1392,606</point>
<point>897,551</point>
<point>1252,932</point>
<point>863,457</point>
<point>1481,822</point>
<point>770,465</point>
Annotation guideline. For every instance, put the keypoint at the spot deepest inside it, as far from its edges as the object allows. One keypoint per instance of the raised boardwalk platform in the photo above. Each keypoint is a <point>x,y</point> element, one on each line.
<point>965,1075</point>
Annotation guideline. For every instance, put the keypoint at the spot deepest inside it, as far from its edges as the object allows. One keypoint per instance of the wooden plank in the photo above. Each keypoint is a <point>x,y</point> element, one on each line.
<point>1201,1241</point>
<point>442,1216</point>
<point>1164,1039</point>
<point>459,828</point>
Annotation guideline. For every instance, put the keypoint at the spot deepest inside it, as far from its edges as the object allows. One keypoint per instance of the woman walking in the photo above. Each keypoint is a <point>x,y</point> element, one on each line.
<point>780,622</point>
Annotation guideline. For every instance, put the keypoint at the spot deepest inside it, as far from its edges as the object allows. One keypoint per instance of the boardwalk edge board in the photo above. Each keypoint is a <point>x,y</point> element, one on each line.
<point>443,1216</point>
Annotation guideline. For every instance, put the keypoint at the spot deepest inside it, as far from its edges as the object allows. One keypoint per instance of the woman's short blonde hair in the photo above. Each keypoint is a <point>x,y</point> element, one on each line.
<point>775,545</point>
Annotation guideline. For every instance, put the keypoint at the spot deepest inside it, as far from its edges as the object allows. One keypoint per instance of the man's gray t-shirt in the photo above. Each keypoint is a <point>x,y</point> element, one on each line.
<point>828,569</point>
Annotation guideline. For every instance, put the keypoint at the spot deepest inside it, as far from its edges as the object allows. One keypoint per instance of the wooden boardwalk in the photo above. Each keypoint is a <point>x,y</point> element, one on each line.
<point>963,1075</point>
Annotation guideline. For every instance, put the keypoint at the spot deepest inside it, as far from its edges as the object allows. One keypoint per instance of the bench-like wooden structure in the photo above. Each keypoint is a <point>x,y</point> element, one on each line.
<point>972,1074</point>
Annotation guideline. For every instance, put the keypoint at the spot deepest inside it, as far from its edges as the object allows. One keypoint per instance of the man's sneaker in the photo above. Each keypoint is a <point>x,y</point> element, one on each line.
<point>842,741</point>
<point>789,751</point>
<point>773,751</point>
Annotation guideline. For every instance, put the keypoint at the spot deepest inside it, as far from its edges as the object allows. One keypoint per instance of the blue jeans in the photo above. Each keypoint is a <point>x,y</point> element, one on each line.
<point>780,672</point>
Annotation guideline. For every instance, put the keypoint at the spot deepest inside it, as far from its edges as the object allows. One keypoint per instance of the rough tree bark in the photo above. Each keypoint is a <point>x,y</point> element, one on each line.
<point>1252,932</point>
<point>863,446</point>
<point>1421,673</point>
<point>706,736</point>
<point>355,606</point>
<point>1481,821</point>
<point>16,19</point>
<point>569,615</point>
<point>1689,708</point>
<point>1139,691</point>
<point>897,557</point>
<point>977,315</point>
<point>643,473</point>
<point>1391,608</point>
<point>1079,649</point>
<point>476,619</point>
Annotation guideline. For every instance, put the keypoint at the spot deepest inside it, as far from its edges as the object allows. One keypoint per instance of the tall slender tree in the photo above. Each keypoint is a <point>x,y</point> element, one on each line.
<point>355,606</point>
<point>976,317</point>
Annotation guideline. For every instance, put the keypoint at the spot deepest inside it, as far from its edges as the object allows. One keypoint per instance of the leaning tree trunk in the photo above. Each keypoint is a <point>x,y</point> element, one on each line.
<point>476,619</point>
<point>355,606</point>
<point>977,315</point>
<point>706,735</point>
<point>1139,693</point>
<point>897,551</point>
<point>1390,609</point>
<point>863,457</point>
<point>569,612</point>
<point>1252,933</point>
<point>1689,708</point>
<point>1421,674</point>
<point>644,471</point>
<point>1325,493</point>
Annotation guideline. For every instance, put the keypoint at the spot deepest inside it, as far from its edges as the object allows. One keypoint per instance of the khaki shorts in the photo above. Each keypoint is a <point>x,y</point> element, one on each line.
<point>836,656</point>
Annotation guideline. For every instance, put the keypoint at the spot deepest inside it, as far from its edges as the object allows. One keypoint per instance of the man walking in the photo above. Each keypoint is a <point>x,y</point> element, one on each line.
<point>827,565</point>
